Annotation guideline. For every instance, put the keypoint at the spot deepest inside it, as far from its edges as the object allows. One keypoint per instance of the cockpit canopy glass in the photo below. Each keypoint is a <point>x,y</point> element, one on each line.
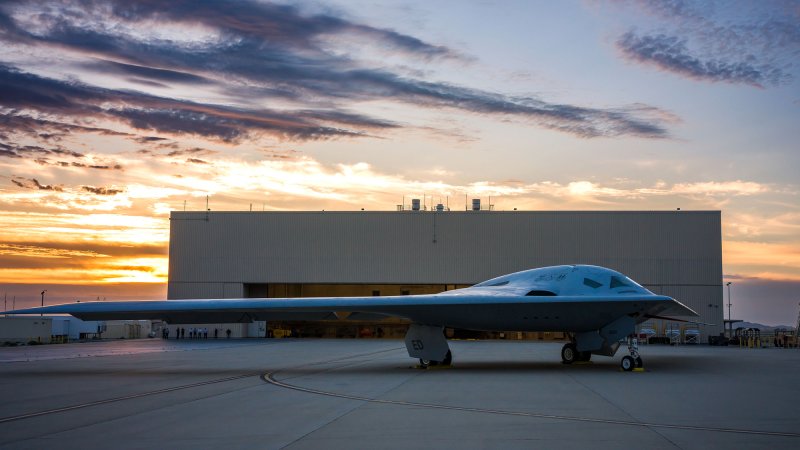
<point>591,283</point>
<point>621,282</point>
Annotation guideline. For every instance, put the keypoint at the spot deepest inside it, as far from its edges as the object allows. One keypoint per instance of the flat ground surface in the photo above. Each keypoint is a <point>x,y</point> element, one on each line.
<point>367,394</point>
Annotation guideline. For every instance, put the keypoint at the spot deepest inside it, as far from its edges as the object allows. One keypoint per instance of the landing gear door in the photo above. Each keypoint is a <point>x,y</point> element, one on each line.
<point>426,342</point>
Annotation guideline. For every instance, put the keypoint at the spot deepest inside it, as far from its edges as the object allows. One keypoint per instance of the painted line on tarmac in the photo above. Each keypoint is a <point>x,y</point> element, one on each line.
<point>165,390</point>
<point>125,397</point>
<point>269,377</point>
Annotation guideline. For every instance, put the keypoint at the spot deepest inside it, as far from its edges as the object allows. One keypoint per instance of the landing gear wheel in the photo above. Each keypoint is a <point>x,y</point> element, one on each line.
<point>627,363</point>
<point>639,362</point>
<point>448,359</point>
<point>569,354</point>
<point>425,363</point>
<point>584,356</point>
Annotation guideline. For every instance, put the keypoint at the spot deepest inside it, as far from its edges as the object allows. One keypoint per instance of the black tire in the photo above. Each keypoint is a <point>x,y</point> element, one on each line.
<point>448,359</point>
<point>424,363</point>
<point>584,356</point>
<point>639,363</point>
<point>627,363</point>
<point>569,354</point>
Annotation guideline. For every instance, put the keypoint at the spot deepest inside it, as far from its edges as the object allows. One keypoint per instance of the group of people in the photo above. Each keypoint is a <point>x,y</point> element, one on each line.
<point>194,333</point>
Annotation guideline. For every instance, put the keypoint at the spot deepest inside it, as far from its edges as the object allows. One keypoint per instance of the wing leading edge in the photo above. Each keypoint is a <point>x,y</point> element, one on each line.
<point>479,312</point>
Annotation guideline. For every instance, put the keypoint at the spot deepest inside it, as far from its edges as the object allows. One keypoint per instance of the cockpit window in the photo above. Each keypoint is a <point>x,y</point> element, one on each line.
<point>540,293</point>
<point>591,283</point>
<point>499,283</point>
<point>619,282</point>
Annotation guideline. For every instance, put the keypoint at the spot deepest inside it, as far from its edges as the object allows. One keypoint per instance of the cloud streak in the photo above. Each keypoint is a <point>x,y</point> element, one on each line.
<point>671,54</point>
<point>753,43</point>
<point>25,91</point>
<point>100,190</point>
<point>33,183</point>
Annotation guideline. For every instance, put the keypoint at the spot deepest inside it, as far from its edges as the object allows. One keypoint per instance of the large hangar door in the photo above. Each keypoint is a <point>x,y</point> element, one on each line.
<point>389,327</point>
<point>256,290</point>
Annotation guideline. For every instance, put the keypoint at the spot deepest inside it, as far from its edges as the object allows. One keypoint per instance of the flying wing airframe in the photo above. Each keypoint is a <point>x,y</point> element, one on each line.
<point>597,307</point>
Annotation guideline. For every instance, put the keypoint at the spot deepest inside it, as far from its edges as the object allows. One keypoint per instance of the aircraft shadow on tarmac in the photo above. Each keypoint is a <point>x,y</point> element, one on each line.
<point>667,364</point>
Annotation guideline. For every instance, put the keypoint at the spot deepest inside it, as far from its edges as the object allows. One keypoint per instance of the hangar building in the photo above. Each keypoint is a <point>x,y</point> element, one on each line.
<point>360,253</point>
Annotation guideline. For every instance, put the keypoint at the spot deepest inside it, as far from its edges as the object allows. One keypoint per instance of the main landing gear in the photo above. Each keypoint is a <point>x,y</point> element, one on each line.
<point>633,360</point>
<point>570,354</point>
<point>448,360</point>
<point>428,343</point>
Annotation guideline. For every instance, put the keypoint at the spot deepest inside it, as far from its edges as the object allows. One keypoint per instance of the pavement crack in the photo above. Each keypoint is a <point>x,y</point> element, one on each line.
<point>622,410</point>
<point>359,405</point>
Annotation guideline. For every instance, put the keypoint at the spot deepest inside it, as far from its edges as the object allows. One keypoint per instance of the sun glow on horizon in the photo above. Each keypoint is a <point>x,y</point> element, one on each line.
<point>127,241</point>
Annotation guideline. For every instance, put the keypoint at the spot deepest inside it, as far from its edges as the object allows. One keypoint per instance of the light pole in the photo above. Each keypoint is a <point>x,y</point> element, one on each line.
<point>730,324</point>
<point>43,301</point>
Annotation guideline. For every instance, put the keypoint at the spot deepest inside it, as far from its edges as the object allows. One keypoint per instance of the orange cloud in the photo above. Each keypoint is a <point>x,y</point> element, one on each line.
<point>120,271</point>
<point>772,261</point>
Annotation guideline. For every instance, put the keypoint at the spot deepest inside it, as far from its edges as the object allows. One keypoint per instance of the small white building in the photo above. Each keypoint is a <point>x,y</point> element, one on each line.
<point>22,330</point>
<point>127,329</point>
<point>60,329</point>
<point>68,328</point>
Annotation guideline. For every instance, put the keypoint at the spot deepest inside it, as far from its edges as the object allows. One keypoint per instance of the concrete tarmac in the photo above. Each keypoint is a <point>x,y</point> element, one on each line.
<point>306,393</point>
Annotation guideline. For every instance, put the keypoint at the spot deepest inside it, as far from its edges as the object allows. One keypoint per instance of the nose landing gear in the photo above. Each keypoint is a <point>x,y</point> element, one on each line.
<point>633,360</point>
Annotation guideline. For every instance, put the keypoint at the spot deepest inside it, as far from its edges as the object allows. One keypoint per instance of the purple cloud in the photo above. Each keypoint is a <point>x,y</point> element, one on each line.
<point>261,52</point>
<point>671,54</point>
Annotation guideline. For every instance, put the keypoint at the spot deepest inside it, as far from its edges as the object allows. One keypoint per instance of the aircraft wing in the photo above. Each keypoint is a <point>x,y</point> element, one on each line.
<point>478,312</point>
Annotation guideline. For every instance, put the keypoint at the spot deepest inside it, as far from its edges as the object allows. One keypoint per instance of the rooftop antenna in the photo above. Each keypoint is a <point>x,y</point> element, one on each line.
<point>251,207</point>
<point>465,201</point>
<point>184,206</point>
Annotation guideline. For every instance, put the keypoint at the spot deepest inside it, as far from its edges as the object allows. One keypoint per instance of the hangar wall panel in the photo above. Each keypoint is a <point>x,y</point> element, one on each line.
<point>213,254</point>
<point>199,289</point>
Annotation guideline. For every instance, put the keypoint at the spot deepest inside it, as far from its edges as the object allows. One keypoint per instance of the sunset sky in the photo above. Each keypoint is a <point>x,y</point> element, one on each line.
<point>114,113</point>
